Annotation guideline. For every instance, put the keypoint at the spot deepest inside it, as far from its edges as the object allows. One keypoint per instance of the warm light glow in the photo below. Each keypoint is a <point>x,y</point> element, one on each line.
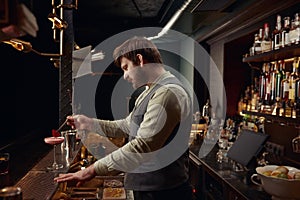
<point>26,47</point>
<point>19,45</point>
<point>58,22</point>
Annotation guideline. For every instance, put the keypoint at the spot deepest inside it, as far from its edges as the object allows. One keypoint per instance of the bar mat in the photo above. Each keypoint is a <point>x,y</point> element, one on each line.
<point>35,185</point>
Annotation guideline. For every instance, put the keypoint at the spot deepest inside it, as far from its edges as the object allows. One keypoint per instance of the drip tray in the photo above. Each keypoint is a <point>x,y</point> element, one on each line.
<point>84,193</point>
<point>92,189</point>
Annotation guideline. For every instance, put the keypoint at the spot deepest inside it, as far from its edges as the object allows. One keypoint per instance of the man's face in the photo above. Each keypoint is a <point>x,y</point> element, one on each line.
<point>133,73</point>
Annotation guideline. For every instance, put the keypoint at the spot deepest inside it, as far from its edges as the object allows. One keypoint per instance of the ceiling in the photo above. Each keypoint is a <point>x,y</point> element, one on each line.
<point>97,20</point>
<point>102,19</point>
<point>198,18</point>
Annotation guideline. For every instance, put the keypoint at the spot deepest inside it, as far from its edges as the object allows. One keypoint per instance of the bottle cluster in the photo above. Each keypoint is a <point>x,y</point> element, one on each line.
<point>285,33</point>
<point>275,91</point>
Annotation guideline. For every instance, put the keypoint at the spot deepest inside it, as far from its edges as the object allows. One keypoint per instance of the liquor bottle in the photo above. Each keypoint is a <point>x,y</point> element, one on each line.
<point>206,111</point>
<point>277,33</point>
<point>262,83</point>
<point>241,106</point>
<point>294,77</point>
<point>246,98</point>
<point>255,95</point>
<point>266,43</point>
<point>267,85</point>
<point>279,77</point>
<point>297,98</point>
<point>297,95</point>
<point>256,44</point>
<point>273,71</point>
<point>297,27</point>
<point>285,84</point>
<point>277,108</point>
<point>285,32</point>
<point>294,34</point>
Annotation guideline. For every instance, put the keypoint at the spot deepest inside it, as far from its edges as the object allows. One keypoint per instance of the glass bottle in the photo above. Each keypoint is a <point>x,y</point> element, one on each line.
<point>285,32</point>
<point>279,76</point>
<point>277,33</point>
<point>273,72</point>
<point>266,43</point>
<point>256,44</point>
<point>297,98</point>
<point>290,105</point>
<point>285,84</point>
<point>206,111</point>
<point>277,107</point>
<point>262,83</point>
<point>267,85</point>
<point>297,27</point>
<point>294,34</point>
<point>294,77</point>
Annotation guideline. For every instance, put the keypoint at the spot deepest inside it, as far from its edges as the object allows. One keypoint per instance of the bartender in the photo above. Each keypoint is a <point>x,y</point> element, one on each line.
<point>155,160</point>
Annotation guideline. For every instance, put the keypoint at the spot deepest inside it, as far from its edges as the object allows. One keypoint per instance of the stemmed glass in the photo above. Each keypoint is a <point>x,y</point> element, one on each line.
<point>54,141</point>
<point>296,142</point>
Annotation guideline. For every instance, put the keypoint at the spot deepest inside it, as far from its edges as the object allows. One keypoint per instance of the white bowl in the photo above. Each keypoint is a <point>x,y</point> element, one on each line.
<point>279,188</point>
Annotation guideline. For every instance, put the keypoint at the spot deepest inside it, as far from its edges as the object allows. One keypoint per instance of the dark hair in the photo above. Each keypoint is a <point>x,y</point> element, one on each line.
<point>137,45</point>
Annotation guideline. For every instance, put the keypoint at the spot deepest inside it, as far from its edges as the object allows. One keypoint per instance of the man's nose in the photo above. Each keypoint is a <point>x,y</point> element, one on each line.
<point>125,76</point>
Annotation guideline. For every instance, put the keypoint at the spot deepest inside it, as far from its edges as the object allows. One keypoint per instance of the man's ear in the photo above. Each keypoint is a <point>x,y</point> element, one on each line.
<point>140,59</point>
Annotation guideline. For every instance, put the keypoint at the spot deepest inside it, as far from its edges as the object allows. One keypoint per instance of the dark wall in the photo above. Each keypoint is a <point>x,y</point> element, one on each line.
<point>237,75</point>
<point>29,83</point>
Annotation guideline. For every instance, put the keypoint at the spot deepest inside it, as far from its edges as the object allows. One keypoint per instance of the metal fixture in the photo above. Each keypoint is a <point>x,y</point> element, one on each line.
<point>26,47</point>
<point>57,21</point>
<point>171,22</point>
<point>58,24</point>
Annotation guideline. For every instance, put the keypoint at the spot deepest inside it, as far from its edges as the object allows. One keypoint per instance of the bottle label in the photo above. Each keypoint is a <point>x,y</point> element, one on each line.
<point>292,94</point>
<point>257,49</point>
<point>285,86</point>
<point>266,46</point>
<point>277,41</point>
<point>283,38</point>
<point>286,39</point>
<point>293,36</point>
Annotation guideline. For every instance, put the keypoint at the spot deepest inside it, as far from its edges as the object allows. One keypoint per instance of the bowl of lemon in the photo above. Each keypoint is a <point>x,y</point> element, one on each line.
<point>282,182</point>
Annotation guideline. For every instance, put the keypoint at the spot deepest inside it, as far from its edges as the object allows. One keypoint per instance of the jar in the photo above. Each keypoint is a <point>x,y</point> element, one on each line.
<point>11,193</point>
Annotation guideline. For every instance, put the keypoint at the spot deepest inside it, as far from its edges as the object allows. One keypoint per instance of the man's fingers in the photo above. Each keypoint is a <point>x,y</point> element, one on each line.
<point>64,177</point>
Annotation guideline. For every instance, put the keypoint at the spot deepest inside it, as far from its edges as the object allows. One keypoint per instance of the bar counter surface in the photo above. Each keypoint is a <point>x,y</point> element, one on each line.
<point>214,180</point>
<point>220,180</point>
<point>37,183</point>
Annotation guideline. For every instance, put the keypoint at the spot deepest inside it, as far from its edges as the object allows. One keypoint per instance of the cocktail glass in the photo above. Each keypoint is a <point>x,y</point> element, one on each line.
<point>54,141</point>
<point>296,142</point>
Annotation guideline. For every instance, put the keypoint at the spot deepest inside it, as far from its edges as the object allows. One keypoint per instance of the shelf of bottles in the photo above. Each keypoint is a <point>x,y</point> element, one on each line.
<point>275,92</point>
<point>282,43</point>
<point>278,54</point>
<point>274,119</point>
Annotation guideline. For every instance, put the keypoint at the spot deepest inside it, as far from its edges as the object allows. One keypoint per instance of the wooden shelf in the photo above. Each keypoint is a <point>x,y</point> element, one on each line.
<point>279,54</point>
<point>274,118</point>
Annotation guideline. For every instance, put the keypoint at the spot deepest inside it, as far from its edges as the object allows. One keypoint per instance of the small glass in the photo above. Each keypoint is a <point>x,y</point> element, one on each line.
<point>296,142</point>
<point>54,141</point>
<point>4,163</point>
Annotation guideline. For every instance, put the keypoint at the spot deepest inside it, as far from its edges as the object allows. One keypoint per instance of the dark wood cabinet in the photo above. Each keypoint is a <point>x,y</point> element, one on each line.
<point>216,181</point>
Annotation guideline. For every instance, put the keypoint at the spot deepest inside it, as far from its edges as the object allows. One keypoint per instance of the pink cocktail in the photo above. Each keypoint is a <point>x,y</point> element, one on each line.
<point>54,141</point>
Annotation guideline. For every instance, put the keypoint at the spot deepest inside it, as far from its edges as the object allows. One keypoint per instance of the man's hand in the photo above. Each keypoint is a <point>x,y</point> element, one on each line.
<point>81,176</point>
